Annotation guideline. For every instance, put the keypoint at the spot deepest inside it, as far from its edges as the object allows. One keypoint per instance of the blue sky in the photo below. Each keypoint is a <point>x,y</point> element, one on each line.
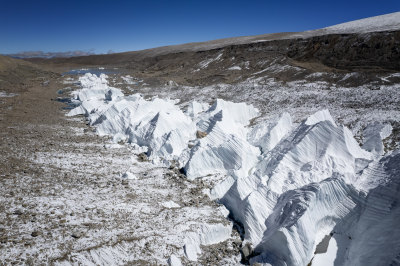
<point>100,26</point>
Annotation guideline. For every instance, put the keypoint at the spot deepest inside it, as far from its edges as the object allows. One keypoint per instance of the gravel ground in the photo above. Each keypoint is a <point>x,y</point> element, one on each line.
<point>63,198</point>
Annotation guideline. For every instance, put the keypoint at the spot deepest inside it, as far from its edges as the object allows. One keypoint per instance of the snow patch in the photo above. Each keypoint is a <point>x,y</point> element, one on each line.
<point>205,63</point>
<point>170,205</point>
<point>7,95</point>
<point>235,68</point>
<point>128,80</point>
<point>207,234</point>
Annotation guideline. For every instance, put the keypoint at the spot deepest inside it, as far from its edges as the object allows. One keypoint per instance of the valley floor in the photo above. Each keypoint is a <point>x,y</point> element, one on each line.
<point>63,196</point>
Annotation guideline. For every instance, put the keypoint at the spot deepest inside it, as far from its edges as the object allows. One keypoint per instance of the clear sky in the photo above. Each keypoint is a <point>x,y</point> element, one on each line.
<point>100,26</point>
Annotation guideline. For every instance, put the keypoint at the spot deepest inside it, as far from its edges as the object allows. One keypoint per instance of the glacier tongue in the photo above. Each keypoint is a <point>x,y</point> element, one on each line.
<point>162,127</point>
<point>158,125</point>
<point>288,186</point>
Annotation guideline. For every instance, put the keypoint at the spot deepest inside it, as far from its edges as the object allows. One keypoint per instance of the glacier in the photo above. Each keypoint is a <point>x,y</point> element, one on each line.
<point>289,185</point>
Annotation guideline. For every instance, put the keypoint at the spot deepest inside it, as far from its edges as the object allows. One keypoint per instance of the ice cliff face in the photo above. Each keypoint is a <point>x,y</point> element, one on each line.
<point>224,149</point>
<point>376,235</point>
<point>290,186</point>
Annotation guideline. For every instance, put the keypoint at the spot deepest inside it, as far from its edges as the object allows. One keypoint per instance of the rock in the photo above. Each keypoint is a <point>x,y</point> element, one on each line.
<point>247,250</point>
<point>200,134</point>
<point>35,233</point>
<point>76,235</point>
<point>17,212</point>
<point>142,157</point>
<point>172,83</point>
<point>173,165</point>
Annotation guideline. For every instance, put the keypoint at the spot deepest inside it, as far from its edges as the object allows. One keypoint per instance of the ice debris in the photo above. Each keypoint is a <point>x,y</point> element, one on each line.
<point>207,234</point>
<point>170,204</point>
<point>165,130</point>
<point>129,175</point>
<point>174,261</point>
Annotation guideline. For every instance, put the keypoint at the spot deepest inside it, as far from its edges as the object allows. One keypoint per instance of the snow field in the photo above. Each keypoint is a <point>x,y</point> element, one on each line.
<point>378,23</point>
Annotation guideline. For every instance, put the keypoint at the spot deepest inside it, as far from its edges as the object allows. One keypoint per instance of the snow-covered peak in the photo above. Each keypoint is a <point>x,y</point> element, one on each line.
<point>386,22</point>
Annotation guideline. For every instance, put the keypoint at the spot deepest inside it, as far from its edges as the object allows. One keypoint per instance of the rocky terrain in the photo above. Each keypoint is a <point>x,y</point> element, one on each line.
<point>279,149</point>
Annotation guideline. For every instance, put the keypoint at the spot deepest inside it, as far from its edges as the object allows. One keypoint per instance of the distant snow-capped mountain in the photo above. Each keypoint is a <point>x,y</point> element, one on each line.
<point>386,22</point>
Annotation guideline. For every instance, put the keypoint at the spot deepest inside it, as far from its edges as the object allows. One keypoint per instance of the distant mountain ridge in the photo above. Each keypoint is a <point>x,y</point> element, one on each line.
<point>387,22</point>
<point>41,54</point>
